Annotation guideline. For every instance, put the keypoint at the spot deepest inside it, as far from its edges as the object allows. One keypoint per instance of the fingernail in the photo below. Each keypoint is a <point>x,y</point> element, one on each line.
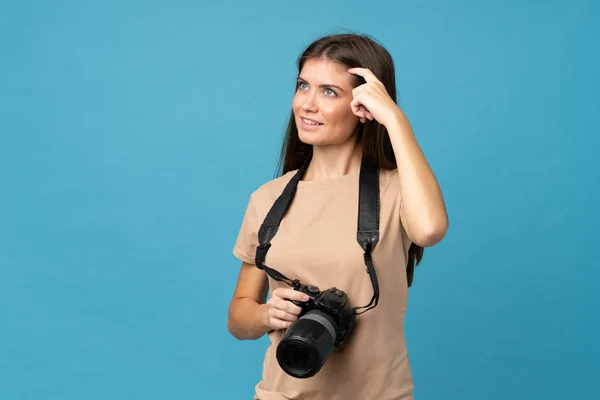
<point>305,297</point>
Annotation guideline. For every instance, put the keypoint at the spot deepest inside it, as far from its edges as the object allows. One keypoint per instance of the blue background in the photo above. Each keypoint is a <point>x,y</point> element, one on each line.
<point>133,132</point>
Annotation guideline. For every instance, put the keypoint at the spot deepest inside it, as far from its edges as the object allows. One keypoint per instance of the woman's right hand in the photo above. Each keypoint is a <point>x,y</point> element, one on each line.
<point>280,312</point>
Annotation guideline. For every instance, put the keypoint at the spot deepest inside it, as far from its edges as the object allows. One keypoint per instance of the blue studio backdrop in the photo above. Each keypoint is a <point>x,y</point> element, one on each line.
<point>133,132</point>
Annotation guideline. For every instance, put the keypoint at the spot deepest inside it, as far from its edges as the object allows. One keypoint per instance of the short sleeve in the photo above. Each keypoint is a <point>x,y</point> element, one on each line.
<point>247,239</point>
<point>392,177</point>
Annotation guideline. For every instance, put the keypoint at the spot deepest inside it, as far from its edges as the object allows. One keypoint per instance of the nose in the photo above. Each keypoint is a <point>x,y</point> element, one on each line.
<point>309,102</point>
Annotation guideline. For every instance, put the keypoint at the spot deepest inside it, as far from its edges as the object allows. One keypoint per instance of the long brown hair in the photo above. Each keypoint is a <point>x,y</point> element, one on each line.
<point>351,50</point>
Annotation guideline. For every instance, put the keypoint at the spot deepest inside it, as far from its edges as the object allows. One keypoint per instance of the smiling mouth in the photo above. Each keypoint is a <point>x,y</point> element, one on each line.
<point>310,122</point>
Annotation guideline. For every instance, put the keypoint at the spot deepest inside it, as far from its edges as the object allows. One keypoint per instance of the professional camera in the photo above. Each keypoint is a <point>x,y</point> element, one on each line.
<point>325,322</point>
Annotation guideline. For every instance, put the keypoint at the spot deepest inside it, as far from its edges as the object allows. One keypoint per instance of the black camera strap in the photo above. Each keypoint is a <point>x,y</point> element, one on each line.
<point>368,224</point>
<point>367,233</point>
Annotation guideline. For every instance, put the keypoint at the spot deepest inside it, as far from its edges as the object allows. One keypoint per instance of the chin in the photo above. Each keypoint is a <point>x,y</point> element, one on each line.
<point>313,138</point>
<point>322,139</point>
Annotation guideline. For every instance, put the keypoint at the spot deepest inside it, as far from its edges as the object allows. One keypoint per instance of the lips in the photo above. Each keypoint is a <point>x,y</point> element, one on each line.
<point>311,122</point>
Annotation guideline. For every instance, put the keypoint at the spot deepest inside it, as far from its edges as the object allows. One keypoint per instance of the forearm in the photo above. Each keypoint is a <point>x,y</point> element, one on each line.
<point>423,209</point>
<point>247,319</point>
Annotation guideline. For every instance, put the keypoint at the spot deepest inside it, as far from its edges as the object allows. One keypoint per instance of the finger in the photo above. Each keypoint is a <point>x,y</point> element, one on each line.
<point>363,114</point>
<point>284,316</point>
<point>286,305</point>
<point>281,325</point>
<point>365,73</point>
<point>291,294</point>
<point>355,106</point>
<point>275,323</point>
<point>360,114</point>
<point>292,308</point>
<point>358,89</point>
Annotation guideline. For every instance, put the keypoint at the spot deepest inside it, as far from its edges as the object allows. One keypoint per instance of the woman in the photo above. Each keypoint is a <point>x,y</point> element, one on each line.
<point>344,108</point>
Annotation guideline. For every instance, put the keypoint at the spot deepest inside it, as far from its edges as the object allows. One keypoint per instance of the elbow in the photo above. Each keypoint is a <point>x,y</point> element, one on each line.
<point>240,322</point>
<point>430,234</point>
<point>233,331</point>
<point>238,332</point>
<point>232,326</point>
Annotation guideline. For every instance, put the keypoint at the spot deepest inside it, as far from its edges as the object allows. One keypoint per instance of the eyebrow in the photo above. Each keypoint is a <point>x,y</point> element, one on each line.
<point>328,85</point>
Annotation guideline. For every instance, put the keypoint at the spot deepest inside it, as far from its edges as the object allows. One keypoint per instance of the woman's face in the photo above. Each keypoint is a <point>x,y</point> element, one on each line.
<point>321,104</point>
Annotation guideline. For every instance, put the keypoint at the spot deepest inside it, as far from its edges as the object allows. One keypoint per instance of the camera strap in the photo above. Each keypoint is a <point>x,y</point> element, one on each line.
<point>367,233</point>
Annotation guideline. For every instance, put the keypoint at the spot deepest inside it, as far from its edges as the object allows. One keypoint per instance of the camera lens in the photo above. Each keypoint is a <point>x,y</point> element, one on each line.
<point>307,344</point>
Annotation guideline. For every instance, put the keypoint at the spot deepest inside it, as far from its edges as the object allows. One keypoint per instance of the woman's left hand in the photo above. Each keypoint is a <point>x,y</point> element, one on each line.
<point>371,99</point>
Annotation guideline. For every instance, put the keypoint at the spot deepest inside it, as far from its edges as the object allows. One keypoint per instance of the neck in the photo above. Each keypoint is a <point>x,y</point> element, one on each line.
<point>334,161</point>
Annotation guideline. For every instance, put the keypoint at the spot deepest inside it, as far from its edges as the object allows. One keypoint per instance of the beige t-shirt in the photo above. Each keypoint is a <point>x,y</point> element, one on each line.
<point>316,243</point>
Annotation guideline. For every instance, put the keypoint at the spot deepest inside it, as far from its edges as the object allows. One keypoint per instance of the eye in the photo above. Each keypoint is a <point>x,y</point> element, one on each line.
<point>301,85</point>
<point>330,92</point>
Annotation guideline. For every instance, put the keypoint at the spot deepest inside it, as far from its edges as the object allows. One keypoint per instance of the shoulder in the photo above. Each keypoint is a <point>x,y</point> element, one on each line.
<point>265,195</point>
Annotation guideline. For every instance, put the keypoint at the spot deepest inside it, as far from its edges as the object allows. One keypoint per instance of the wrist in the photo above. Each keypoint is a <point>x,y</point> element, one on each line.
<point>397,121</point>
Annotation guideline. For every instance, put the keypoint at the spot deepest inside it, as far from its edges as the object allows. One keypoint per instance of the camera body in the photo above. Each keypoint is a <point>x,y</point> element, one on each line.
<point>325,323</point>
<point>334,303</point>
